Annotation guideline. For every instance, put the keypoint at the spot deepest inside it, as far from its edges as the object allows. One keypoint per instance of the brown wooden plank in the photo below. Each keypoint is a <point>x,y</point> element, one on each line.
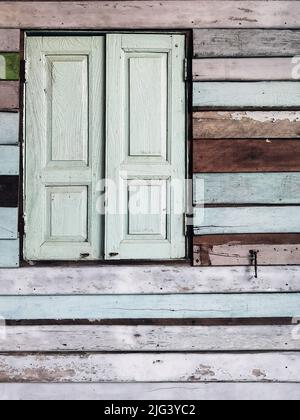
<point>245,69</point>
<point>9,95</point>
<point>149,14</point>
<point>9,40</point>
<point>249,239</point>
<point>231,155</point>
<point>246,43</point>
<point>243,124</point>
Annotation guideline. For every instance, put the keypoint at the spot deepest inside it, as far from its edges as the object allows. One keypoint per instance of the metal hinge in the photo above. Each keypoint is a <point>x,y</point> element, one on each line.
<point>23,70</point>
<point>185,69</point>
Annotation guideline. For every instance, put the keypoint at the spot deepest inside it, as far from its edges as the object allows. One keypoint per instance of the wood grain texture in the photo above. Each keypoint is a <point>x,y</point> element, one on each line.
<point>149,391</point>
<point>9,128</point>
<point>100,338</point>
<point>9,160</point>
<point>246,43</point>
<point>148,14</point>
<point>95,368</point>
<point>155,279</point>
<point>9,191</point>
<point>9,253</point>
<point>248,188</point>
<point>9,40</point>
<point>230,155</point>
<point>9,95</point>
<point>245,69</point>
<point>246,94</point>
<point>240,255</point>
<point>246,124</point>
<point>230,220</point>
<point>8,223</point>
<point>181,306</point>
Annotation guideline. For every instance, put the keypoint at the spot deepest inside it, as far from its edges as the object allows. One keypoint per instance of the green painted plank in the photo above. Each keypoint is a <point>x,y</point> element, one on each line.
<point>247,188</point>
<point>258,95</point>
<point>230,220</point>
<point>9,160</point>
<point>9,253</point>
<point>150,306</point>
<point>9,128</point>
<point>9,66</point>
<point>8,223</point>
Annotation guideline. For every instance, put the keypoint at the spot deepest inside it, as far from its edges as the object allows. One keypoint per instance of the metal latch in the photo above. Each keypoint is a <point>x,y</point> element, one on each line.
<point>254,261</point>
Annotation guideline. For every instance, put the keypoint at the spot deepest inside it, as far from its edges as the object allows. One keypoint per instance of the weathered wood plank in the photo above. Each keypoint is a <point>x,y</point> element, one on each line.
<point>235,255</point>
<point>8,223</point>
<point>9,40</point>
<point>251,95</point>
<point>151,392</point>
<point>9,160</point>
<point>9,253</point>
<point>245,69</point>
<point>9,191</point>
<point>250,188</point>
<point>9,66</point>
<point>9,95</point>
<point>230,220</point>
<point>151,306</point>
<point>246,124</point>
<point>246,43</point>
<point>9,128</point>
<point>62,368</point>
<point>246,156</point>
<point>99,338</point>
<point>148,14</point>
<point>158,279</point>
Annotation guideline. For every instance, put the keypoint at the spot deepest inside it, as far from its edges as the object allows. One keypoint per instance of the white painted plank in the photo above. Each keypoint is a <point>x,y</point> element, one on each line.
<point>9,128</point>
<point>248,188</point>
<point>227,220</point>
<point>8,223</point>
<point>183,306</point>
<point>151,392</point>
<point>113,338</point>
<point>145,279</point>
<point>254,94</point>
<point>157,367</point>
<point>9,253</point>
<point>9,160</point>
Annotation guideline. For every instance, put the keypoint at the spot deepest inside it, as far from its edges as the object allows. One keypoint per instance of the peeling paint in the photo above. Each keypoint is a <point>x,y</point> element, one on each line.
<point>262,117</point>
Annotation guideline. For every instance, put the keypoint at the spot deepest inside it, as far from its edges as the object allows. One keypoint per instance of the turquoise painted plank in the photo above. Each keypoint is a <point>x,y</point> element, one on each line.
<point>8,223</point>
<point>9,253</point>
<point>150,306</point>
<point>9,160</point>
<point>230,220</point>
<point>9,128</point>
<point>247,188</point>
<point>260,94</point>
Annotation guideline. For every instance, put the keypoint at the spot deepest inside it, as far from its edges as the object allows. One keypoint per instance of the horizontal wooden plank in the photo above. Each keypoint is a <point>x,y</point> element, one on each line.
<point>95,368</point>
<point>157,279</point>
<point>9,128</point>
<point>251,95</point>
<point>248,239</point>
<point>230,220</point>
<point>248,188</point>
<point>235,255</point>
<point>8,223</point>
<point>246,124</point>
<point>245,69</point>
<point>9,40</point>
<point>9,253</point>
<point>113,338</point>
<point>230,155</point>
<point>9,160</point>
<point>148,14</point>
<point>151,306</point>
<point>9,95</point>
<point>246,43</point>
<point>9,66</point>
<point>9,191</point>
<point>151,392</point>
